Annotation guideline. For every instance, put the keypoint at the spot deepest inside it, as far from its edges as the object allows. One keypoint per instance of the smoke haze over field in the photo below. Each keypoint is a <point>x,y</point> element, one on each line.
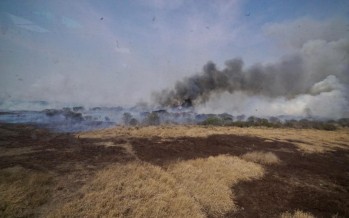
<point>267,57</point>
<point>314,80</point>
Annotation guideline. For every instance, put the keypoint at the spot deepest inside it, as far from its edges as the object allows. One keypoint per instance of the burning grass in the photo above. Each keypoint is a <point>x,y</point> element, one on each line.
<point>261,157</point>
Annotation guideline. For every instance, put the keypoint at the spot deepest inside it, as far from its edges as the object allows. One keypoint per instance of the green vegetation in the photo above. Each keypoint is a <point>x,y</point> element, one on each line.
<point>133,122</point>
<point>126,117</point>
<point>213,121</point>
<point>152,119</point>
<point>274,122</point>
<point>308,124</point>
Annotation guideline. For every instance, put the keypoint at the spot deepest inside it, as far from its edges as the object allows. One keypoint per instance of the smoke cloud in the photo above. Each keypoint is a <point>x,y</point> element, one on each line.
<point>275,80</point>
<point>315,75</point>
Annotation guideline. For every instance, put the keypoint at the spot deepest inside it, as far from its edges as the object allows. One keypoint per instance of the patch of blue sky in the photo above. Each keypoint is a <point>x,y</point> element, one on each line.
<point>70,23</point>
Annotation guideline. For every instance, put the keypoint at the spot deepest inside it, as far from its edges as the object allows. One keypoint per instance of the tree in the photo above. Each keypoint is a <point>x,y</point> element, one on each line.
<point>127,117</point>
<point>153,119</point>
<point>213,121</point>
<point>133,122</point>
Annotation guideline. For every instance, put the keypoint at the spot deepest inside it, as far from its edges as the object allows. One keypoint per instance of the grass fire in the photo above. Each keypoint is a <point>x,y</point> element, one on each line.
<point>176,108</point>
<point>173,171</point>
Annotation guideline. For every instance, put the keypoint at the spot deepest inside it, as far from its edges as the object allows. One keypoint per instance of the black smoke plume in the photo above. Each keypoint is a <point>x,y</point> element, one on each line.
<point>287,78</point>
<point>282,79</point>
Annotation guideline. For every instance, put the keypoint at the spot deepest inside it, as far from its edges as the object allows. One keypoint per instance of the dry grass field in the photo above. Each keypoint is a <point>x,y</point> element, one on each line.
<point>174,171</point>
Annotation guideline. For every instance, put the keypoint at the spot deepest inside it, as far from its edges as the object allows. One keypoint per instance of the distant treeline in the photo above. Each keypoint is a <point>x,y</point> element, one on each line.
<point>275,122</point>
<point>159,117</point>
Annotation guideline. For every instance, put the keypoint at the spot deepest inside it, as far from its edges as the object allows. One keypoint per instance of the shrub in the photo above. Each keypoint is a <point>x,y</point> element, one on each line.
<point>152,119</point>
<point>226,118</point>
<point>213,121</point>
<point>126,117</point>
<point>133,122</point>
<point>344,122</point>
<point>240,124</point>
<point>264,122</point>
<point>251,119</point>
<point>324,126</point>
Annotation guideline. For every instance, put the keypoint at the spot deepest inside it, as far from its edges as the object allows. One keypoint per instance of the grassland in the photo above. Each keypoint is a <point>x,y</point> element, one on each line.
<point>174,171</point>
<point>307,140</point>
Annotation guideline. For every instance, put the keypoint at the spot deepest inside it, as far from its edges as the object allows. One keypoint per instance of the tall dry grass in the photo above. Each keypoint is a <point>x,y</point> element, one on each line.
<point>133,190</point>
<point>23,192</point>
<point>192,188</point>
<point>209,180</point>
<point>297,214</point>
<point>307,140</point>
<point>267,158</point>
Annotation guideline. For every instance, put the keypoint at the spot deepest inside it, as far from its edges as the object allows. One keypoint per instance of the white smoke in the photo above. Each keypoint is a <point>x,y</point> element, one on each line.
<point>321,79</point>
<point>328,99</point>
<point>329,84</point>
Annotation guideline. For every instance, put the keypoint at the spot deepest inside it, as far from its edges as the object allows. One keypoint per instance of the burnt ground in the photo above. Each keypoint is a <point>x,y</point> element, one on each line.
<point>315,183</point>
<point>54,151</point>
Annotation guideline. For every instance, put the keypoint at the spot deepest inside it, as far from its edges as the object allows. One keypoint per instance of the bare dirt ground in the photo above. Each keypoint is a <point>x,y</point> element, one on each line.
<point>311,173</point>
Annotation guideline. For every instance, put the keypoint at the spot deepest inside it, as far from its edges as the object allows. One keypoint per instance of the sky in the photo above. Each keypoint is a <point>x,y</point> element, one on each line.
<point>114,53</point>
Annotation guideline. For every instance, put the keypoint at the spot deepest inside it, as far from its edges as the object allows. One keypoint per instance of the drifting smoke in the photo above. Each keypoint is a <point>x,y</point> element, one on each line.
<point>316,75</point>
<point>286,78</point>
<point>274,80</point>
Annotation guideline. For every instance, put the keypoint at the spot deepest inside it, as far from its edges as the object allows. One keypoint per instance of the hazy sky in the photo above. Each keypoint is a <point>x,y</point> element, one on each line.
<point>111,52</point>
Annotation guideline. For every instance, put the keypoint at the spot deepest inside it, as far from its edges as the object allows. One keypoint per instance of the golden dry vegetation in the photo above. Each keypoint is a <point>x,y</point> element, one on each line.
<point>209,180</point>
<point>261,157</point>
<point>23,191</point>
<point>307,140</point>
<point>186,189</point>
<point>134,190</point>
<point>197,187</point>
<point>297,214</point>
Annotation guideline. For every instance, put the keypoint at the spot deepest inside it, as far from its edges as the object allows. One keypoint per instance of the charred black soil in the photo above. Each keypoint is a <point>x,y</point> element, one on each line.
<point>317,183</point>
<point>161,152</point>
<point>50,151</point>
